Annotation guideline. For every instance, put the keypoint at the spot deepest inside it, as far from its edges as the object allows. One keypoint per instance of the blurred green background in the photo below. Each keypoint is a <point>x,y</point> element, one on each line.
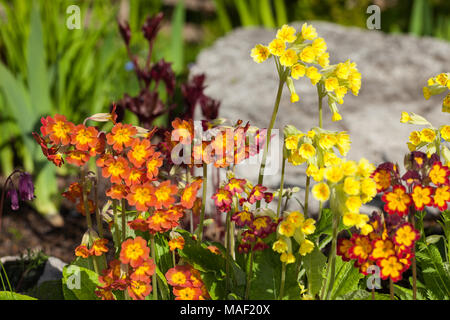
<point>45,68</point>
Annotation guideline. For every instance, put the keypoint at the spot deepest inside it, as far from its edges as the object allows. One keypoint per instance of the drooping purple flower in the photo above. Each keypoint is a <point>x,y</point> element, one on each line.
<point>151,26</point>
<point>125,32</point>
<point>26,186</point>
<point>14,197</point>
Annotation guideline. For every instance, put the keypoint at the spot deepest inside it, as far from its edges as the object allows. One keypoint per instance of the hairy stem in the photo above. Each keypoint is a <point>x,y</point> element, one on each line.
<point>283,279</point>
<point>202,212</point>
<point>154,280</point>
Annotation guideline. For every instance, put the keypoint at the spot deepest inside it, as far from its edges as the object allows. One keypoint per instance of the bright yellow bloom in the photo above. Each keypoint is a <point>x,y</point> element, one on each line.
<point>353,204</point>
<point>277,47</point>
<point>365,168</point>
<point>287,258</point>
<point>295,158</point>
<point>315,173</point>
<point>292,141</point>
<point>320,46</point>
<point>334,174</point>
<point>324,59</point>
<point>298,70</point>
<point>445,132</point>
<point>426,93</point>
<point>308,227</point>
<point>336,117</point>
<point>442,79</point>
<point>327,141</point>
<point>308,32</point>
<point>307,150</point>
<point>321,191</point>
<point>286,33</point>
<point>414,138</point>
<point>349,168</point>
<point>306,247</point>
<point>427,135</point>
<point>294,97</point>
<point>331,84</point>
<point>351,186</point>
<point>288,58</point>
<point>307,54</point>
<point>260,53</point>
<point>369,189</point>
<point>286,229</point>
<point>351,219</point>
<point>340,92</point>
<point>405,117</point>
<point>296,218</point>
<point>314,75</point>
<point>343,142</point>
<point>343,70</point>
<point>330,159</point>
<point>280,246</point>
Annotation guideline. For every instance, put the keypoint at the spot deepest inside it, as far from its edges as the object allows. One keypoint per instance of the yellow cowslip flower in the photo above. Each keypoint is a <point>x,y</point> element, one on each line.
<point>288,58</point>
<point>366,229</point>
<point>442,79</point>
<point>446,103</point>
<point>405,117</point>
<point>331,84</point>
<point>321,191</point>
<point>327,141</point>
<point>350,219</point>
<point>340,92</point>
<point>260,53</point>
<point>294,97</point>
<point>314,75</point>
<point>324,59</point>
<point>287,258</point>
<point>427,135</point>
<point>277,47</point>
<point>343,142</point>
<point>286,229</point>
<point>351,186</point>
<point>319,46</point>
<point>445,132</point>
<point>308,32</point>
<point>315,173</point>
<point>306,247</point>
<point>296,218</point>
<point>369,187</point>
<point>286,33</point>
<point>426,93</point>
<point>298,70</point>
<point>308,227</point>
<point>307,150</point>
<point>353,204</point>
<point>349,168</point>
<point>307,54</point>
<point>365,168</point>
<point>330,159</point>
<point>343,70</point>
<point>295,158</point>
<point>280,246</point>
<point>354,80</point>
<point>336,117</point>
<point>414,138</point>
<point>291,142</point>
<point>334,174</point>
<point>311,134</point>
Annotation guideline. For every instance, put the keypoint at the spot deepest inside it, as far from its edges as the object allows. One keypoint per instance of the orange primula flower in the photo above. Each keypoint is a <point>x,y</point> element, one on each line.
<point>103,159</point>
<point>141,196</point>
<point>134,252</point>
<point>138,290</point>
<point>78,158</point>
<point>121,136</point>
<point>82,251</point>
<point>441,197</point>
<point>163,195</point>
<point>406,235</point>
<point>382,249</point>
<point>99,147</point>
<point>144,271</point>
<point>139,152</point>
<point>74,192</point>
<point>439,174</point>
<point>190,194</point>
<point>183,131</point>
<point>391,268</point>
<point>84,137</point>
<point>135,176</point>
<point>176,243</point>
<point>153,164</point>
<point>361,249</point>
<point>140,223</point>
<point>179,276</point>
<point>159,222</point>
<point>382,179</point>
<point>99,247</point>
<point>105,294</point>
<point>58,129</point>
<point>118,191</point>
<point>189,293</point>
<point>80,207</point>
<point>421,197</point>
<point>397,201</point>
<point>115,169</point>
<point>343,248</point>
<point>214,249</point>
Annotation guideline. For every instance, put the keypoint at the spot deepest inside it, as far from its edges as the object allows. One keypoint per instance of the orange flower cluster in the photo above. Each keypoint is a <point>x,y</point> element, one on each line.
<point>159,221</point>
<point>98,248</point>
<point>221,145</point>
<point>426,183</point>
<point>187,283</point>
<point>132,272</point>
<point>389,246</point>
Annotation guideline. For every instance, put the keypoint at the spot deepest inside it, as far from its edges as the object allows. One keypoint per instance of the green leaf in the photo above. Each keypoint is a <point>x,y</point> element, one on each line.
<point>163,254</point>
<point>7,295</point>
<point>50,290</point>
<point>362,295</point>
<point>79,283</point>
<point>314,263</point>
<point>347,278</point>
<point>162,285</point>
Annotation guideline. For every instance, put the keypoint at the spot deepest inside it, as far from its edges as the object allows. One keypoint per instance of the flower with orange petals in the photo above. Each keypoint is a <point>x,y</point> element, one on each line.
<point>391,267</point>
<point>214,249</point>
<point>144,271</point>
<point>116,169</point>
<point>50,153</point>
<point>140,223</point>
<point>153,164</point>
<point>104,294</point>
<point>135,176</point>
<point>422,196</point>
<point>77,158</point>
<point>343,248</point>
<point>139,152</point>
<point>80,207</point>
<point>222,199</point>
<point>74,192</point>
<point>397,201</point>
<point>382,249</point>
<point>138,290</point>
<point>406,235</point>
<point>176,243</point>
<point>99,147</point>
<point>121,136</point>
<point>84,138</point>
<point>82,251</point>
<point>159,221</point>
<point>382,179</point>
<point>163,195</point>
<point>361,249</point>
<point>189,293</point>
<point>441,197</point>
<point>179,276</point>
<point>183,131</point>
<point>117,191</point>
<point>190,194</point>
<point>134,251</point>
<point>99,247</point>
<point>439,174</point>
<point>58,129</point>
<point>141,196</point>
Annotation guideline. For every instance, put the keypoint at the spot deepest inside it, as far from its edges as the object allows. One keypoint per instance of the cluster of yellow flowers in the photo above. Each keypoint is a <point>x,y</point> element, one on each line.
<point>437,85</point>
<point>294,225</point>
<point>315,147</point>
<point>350,185</point>
<point>429,138</point>
<point>295,55</point>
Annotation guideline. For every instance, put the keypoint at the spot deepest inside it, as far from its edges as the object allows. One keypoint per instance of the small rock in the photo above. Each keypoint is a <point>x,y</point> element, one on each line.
<point>52,271</point>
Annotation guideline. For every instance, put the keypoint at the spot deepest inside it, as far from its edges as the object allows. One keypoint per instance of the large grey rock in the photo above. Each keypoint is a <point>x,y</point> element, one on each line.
<point>52,270</point>
<point>394,69</point>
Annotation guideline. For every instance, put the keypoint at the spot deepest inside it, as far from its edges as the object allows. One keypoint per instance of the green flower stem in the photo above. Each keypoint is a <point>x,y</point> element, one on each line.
<point>249,274</point>
<point>154,280</point>
<point>320,96</point>
<point>308,182</point>
<point>202,212</point>
<point>228,247</point>
<point>413,262</point>
<point>269,133</point>
<point>88,217</point>
<point>280,196</point>
<point>283,279</point>
<point>333,253</point>
<point>391,289</point>
<point>97,212</point>
<point>116,224</point>
<point>124,220</point>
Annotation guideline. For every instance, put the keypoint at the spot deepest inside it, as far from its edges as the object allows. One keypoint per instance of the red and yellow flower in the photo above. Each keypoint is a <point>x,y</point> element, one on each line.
<point>406,235</point>
<point>391,267</point>
<point>141,196</point>
<point>116,169</point>
<point>121,136</point>
<point>139,152</point>
<point>117,191</point>
<point>58,129</point>
<point>163,195</point>
<point>397,201</point>
<point>382,249</point>
<point>153,164</point>
<point>138,290</point>
<point>77,158</point>
<point>84,138</point>
<point>439,174</point>
<point>190,194</point>
<point>144,271</point>
<point>222,199</point>
<point>441,197</point>
<point>361,249</point>
<point>176,243</point>
<point>99,247</point>
<point>179,276</point>
<point>422,196</point>
<point>82,251</point>
<point>134,252</point>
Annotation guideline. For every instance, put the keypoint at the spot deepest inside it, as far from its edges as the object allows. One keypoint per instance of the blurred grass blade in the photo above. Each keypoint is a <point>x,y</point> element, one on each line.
<point>244,13</point>
<point>266,13</point>
<point>224,19</point>
<point>177,41</point>
<point>416,20</point>
<point>280,12</point>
